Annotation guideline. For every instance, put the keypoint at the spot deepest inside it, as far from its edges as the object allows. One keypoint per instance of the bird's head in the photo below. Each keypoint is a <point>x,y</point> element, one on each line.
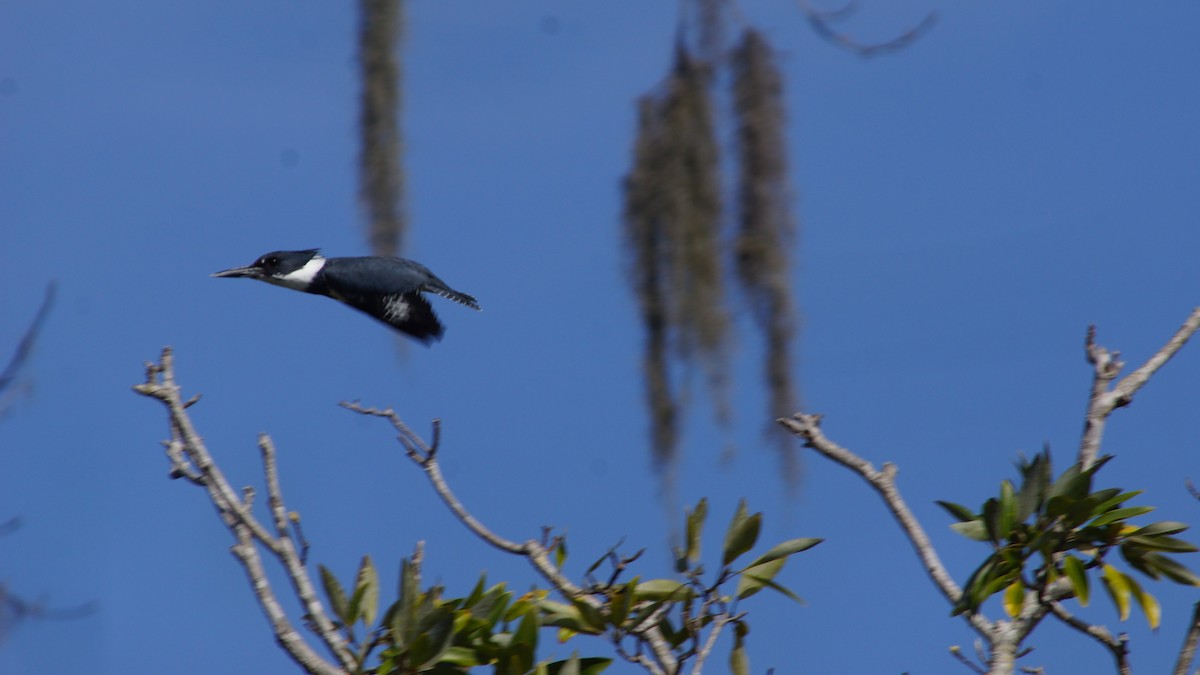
<point>293,269</point>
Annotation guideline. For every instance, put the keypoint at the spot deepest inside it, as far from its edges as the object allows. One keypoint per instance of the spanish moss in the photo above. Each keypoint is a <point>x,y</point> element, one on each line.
<point>381,172</point>
<point>766,229</point>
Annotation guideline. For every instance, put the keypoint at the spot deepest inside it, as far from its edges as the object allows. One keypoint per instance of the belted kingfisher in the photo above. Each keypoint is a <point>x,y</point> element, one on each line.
<point>388,289</point>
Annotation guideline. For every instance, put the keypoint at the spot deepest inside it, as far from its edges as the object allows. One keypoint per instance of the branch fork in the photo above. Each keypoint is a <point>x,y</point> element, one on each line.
<point>1002,638</point>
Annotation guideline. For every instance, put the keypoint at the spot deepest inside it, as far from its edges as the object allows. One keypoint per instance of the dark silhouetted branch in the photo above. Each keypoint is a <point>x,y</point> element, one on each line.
<point>822,21</point>
<point>24,350</point>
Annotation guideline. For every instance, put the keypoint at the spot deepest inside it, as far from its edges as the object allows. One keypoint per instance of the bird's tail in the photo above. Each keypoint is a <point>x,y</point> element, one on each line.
<point>451,294</point>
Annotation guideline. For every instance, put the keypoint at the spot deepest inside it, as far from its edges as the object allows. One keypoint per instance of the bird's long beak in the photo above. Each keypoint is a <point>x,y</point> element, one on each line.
<point>252,272</point>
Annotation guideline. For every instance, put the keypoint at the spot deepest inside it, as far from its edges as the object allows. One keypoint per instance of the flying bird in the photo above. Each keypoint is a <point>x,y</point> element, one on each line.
<point>389,289</point>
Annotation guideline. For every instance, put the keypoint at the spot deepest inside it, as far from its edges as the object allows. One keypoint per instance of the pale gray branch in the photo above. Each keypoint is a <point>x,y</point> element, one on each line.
<point>808,428</point>
<point>189,458</point>
<point>1106,366</point>
<point>424,455</point>
<point>1187,653</point>
<point>702,654</point>
<point>285,634</point>
<point>1117,645</point>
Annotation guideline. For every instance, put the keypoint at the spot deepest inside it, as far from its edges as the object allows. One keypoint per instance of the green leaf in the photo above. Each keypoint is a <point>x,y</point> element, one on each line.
<point>1078,576</point>
<point>971,529</point>
<point>1118,588</point>
<point>1162,543</point>
<point>498,602</point>
<point>785,591</point>
<point>1136,557</point>
<point>742,533</point>
<point>1147,602</point>
<point>753,578</point>
<point>975,591</point>
<point>476,593</point>
<point>563,616</point>
<point>491,605</point>
<point>366,592</point>
<point>461,656</point>
<point>403,620</point>
<point>1035,481</point>
<point>570,666</point>
<point>527,629</point>
<point>522,649</point>
<point>664,589</point>
<point>560,553</point>
<point>336,595</point>
<point>1007,510</point>
<point>739,662</point>
<point>991,520</point>
<point>1120,514</point>
<point>1160,528</point>
<point>588,666</point>
<point>672,636</point>
<point>695,525</point>
<point>644,612</point>
<point>622,602</point>
<point>1116,500</point>
<point>1014,598</point>
<point>1074,483</point>
<point>957,511</point>
<point>1172,569</point>
<point>437,629</point>
<point>785,549</point>
<point>593,621</point>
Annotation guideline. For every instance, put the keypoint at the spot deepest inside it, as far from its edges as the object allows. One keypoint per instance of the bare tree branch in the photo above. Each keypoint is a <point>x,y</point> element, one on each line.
<point>956,652</point>
<point>821,22</point>
<point>808,428</point>
<point>1004,637</point>
<point>1117,645</point>
<point>1187,653</point>
<point>1106,366</point>
<point>24,349</point>
<point>424,455</point>
<point>190,459</point>
<point>702,653</point>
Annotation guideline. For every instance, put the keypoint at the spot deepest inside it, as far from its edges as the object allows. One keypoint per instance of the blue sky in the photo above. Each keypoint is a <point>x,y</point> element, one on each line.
<point>968,207</point>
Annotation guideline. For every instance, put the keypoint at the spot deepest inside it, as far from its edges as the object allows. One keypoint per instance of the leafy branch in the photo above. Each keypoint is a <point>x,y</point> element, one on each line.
<point>662,625</point>
<point>1049,536</point>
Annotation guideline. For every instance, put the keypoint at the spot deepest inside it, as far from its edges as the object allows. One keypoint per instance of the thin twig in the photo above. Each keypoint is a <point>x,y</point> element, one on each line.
<point>424,455</point>
<point>956,652</point>
<point>24,350</point>
<point>1118,645</point>
<point>821,23</point>
<point>808,428</point>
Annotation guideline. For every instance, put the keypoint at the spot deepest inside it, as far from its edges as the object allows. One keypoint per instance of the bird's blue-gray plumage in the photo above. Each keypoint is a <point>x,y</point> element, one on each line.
<point>389,289</point>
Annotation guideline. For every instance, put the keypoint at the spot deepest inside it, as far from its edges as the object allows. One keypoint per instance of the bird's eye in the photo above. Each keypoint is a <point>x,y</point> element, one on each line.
<point>272,261</point>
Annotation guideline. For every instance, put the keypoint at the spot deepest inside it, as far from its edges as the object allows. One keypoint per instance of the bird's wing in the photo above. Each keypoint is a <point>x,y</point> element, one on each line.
<point>398,302</point>
<point>408,313</point>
